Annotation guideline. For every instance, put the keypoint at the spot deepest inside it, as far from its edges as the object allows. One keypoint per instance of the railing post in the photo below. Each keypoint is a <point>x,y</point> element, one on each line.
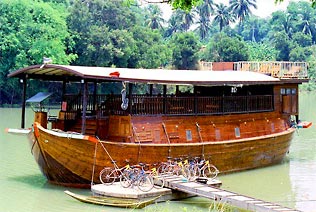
<point>130,97</point>
<point>23,80</point>
<point>165,99</point>
<point>84,107</point>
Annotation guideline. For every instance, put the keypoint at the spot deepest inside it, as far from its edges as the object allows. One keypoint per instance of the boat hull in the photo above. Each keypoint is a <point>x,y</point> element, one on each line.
<point>75,160</point>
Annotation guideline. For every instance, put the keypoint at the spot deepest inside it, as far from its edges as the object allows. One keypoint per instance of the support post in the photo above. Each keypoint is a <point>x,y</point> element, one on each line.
<point>95,96</point>
<point>164,99</point>
<point>64,89</point>
<point>130,97</point>
<point>23,102</point>
<point>84,107</point>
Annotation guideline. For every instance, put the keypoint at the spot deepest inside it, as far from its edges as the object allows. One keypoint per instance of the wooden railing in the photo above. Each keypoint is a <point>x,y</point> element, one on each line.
<point>170,105</point>
<point>277,69</point>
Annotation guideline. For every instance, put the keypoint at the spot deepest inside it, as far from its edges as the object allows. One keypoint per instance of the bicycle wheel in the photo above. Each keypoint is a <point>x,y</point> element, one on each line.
<point>107,176</point>
<point>162,169</point>
<point>145,183</point>
<point>159,181</point>
<point>169,170</point>
<point>125,179</point>
<point>210,171</point>
<point>189,173</point>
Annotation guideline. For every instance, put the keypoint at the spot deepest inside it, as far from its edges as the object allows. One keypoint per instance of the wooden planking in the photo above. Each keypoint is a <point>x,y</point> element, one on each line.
<point>224,196</point>
<point>77,155</point>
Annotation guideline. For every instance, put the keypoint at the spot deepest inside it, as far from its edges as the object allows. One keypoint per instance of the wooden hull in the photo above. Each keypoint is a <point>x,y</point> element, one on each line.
<point>71,159</point>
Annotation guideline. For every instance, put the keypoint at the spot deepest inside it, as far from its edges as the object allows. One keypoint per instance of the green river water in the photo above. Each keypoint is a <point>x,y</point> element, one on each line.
<point>292,183</point>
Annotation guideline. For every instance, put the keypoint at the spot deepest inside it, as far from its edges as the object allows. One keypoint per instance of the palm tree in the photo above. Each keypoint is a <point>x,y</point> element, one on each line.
<point>185,19</point>
<point>206,8</point>
<point>204,11</point>
<point>222,16</point>
<point>154,20</point>
<point>173,26</point>
<point>203,27</point>
<point>241,9</point>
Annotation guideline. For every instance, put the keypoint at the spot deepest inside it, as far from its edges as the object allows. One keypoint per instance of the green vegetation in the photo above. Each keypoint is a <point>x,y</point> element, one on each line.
<point>122,33</point>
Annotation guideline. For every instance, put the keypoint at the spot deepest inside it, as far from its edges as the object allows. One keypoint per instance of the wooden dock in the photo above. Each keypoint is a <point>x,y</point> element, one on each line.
<point>227,197</point>
<point>177,187</point>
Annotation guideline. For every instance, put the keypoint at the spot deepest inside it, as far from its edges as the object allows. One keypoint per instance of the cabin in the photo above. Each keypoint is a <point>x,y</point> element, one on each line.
<point>230,101</point>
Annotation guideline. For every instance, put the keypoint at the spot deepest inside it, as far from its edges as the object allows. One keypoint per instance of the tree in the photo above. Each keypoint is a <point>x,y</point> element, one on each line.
<point>29,31</point>
<point>151,50</point>
<point>282,44</point>
<point>262,51</point>
<point>222,16</point>
<point>242,8</point>
<point>312,1</point>
<point>173,26</point>
<point>255,29</point>
<point>185,19</point>
<point>203,27</point>
<point>204,23</point>
<point>185,47</point>
<point>206,9</point>
<point>222,48</point>
<point>155,19</point>
<point>95,33</point>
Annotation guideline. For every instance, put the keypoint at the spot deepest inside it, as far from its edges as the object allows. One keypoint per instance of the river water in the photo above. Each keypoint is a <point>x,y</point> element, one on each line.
<point>292,183</point>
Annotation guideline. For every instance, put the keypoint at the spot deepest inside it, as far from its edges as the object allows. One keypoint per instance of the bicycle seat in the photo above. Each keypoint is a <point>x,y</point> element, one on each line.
<point>142,164</point>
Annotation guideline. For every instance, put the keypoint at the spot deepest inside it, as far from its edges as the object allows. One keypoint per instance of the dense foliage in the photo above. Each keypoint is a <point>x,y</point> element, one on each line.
<point>121,33</point>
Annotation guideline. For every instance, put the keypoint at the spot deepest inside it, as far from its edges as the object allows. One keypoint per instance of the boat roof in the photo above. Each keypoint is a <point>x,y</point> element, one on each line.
<point>39,97</point>
<point>52,72</point>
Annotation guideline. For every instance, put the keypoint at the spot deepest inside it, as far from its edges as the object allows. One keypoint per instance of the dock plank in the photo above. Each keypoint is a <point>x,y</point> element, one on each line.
<point>232,198</point>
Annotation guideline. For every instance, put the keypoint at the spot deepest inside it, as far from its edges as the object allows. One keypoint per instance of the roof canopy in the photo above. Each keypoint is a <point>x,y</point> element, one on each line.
<point>162,76</point>
<point>39,97</point>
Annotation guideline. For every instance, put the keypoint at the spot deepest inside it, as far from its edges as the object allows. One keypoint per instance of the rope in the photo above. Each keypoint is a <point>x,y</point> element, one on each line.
<point>107,152</point>
<point>166,133</point>
<point>200,136</point>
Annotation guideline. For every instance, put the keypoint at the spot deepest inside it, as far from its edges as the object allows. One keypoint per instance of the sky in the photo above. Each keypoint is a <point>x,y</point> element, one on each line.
<point>264,7</point>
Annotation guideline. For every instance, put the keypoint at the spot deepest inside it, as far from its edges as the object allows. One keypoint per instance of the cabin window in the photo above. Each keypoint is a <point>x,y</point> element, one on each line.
<point>289,100</point>
<point>237,132</point>
<point>272,127</point>
<point>188,134</point>
<point>217,134</point>
<point>288,91</point>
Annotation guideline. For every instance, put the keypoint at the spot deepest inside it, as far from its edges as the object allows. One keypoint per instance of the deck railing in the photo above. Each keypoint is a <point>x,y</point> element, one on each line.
<point>277,69</point>
<point>172,105</point>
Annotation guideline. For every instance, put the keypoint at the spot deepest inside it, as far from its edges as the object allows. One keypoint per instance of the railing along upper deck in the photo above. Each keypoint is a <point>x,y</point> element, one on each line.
<point>172,105</point>
<point>278,69</point>
<point>281,70</point>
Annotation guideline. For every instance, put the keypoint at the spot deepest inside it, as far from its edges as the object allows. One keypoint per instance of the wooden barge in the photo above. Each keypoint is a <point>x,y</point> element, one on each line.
<point>237,119</point>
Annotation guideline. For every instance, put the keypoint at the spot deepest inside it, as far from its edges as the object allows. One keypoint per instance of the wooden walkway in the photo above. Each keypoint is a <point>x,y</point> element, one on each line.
<point>227,197</point>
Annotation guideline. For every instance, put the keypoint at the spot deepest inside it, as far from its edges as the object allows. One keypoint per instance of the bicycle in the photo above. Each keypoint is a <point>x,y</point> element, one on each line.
<point>158,179</point>
<point>108,175</point>
<point>137,177</point>
<point>207,170</point>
